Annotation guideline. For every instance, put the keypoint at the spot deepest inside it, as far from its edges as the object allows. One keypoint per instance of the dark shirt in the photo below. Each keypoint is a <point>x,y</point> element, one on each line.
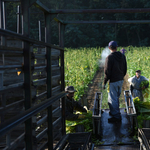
<point>72,105</point>
<point>115,67</point>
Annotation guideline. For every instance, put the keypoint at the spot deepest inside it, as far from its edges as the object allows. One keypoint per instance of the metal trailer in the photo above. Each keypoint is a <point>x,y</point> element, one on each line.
<point>17,47</point>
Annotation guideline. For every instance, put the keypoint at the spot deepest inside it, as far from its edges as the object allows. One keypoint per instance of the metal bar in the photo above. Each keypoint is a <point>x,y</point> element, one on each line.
<point>61,44</point>
<point>27,73</point>
<point>7,107</point>
<point>11,87</point>
<point>10,49</point>
<point>10,66</point>
<point>44,80</point>
<point>11,0</point>
<point>40,67</point>
<point>108,22</point>
<point>58,134</point>
<point>20,118</point>
<point>14,144</point>
<point>39,56</point>
<point>60,145</point>
<point>41,134</point>
<point>41,121</point>
<point>1,15</point>
<point>18,19</point>
<point>43,146</point>
<point>55,89</point>
<point>49,79</point>
<point>74,11</point>
<point>39,30</point>
<point>22,37</point>
<point>4,15</point>
<point>42,7</point>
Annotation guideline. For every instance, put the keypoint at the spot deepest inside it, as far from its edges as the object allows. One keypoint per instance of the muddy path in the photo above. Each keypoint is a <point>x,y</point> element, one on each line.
<point>96,86</point>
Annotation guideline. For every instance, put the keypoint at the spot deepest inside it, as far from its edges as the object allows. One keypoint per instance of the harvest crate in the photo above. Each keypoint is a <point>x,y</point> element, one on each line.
<point>144,138</point>
<point>96,116</point>
<point>75,141</point>
<point>131,111</point>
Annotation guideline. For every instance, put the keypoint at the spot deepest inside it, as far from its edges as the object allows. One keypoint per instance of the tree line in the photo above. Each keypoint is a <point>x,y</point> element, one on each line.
<point>90,35</point>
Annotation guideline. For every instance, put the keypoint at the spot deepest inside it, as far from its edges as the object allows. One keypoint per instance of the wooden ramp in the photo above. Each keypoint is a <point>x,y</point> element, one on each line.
<point>116,136</point>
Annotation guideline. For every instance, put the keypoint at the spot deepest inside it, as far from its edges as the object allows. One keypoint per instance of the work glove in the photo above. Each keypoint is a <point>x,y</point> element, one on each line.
<point>85,109</point>
<point>81,116</point>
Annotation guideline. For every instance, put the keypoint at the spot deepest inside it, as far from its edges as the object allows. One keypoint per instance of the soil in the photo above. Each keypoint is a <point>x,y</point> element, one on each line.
<point>96,86</point>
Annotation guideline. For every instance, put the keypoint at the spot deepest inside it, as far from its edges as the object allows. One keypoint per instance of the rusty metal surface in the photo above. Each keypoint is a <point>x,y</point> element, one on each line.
<point>116,133</point>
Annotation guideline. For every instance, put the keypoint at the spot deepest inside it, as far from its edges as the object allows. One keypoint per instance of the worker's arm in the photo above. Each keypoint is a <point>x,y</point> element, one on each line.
<point>125,69</point>
<point>79,107</point>
<point>71,116</point>
<point>107,70</point>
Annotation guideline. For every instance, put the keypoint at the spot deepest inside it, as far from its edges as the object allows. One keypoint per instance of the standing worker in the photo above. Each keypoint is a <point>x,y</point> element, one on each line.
<point>115,69</point>
<point>123,51</point>
<point>72,105</point>
<point>135,85</point>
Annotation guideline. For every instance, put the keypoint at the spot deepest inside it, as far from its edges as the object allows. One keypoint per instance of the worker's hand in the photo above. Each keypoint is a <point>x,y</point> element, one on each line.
<point>81,116</point>
<point>85,109</point>
<point>143,87</point>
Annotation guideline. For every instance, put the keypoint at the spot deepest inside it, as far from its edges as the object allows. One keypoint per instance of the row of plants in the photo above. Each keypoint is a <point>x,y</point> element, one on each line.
<point>80,67</point>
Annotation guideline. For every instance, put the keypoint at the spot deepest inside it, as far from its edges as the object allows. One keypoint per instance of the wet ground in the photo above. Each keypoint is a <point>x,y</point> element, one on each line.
<point>116,136</point>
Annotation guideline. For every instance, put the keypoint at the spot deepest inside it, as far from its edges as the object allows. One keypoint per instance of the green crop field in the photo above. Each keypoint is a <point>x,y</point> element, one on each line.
<point>80,68</point>
<point>81,65</point>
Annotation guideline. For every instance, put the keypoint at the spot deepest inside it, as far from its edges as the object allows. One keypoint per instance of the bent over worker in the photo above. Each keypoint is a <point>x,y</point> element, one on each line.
<point>72,105</point>
<point>135,85</point>
<point>115,69</point>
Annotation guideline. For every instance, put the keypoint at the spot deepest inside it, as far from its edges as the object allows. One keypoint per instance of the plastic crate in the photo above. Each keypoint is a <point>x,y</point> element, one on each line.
<point>96,116</point>
<point>76,141</point>
<point>144,138</point>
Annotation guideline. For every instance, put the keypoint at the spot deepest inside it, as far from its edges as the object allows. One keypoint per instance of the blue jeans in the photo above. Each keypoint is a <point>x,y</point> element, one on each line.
<point>113,98</point>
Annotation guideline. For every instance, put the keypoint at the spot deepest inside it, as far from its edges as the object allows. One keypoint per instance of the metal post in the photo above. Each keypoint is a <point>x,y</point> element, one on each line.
<point>49,80</point>
<point>4,21</point>
<point>39,30</point>
<point>61,44</point>
<point>18,19</point>
<point>1,15</point>
<point>27,74</point>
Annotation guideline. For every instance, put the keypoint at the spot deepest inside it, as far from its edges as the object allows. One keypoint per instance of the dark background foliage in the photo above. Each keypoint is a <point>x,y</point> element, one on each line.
<point>89,35</point>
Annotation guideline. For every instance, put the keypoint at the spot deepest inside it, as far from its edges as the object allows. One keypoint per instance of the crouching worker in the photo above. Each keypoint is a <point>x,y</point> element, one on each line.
<point>72,105</point>
<point>136,85</point>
